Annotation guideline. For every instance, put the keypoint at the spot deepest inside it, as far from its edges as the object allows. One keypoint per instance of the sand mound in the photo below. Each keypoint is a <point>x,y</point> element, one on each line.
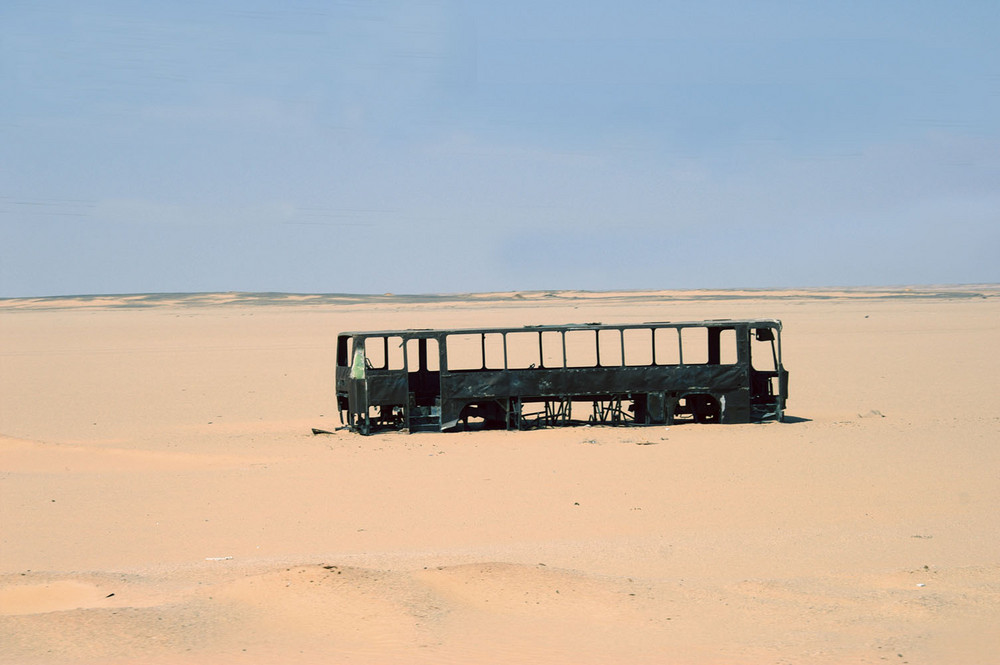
<point>23,456</point>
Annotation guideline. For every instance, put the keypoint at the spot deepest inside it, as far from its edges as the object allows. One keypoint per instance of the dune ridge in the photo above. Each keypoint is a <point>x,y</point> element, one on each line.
<point>499,298</point>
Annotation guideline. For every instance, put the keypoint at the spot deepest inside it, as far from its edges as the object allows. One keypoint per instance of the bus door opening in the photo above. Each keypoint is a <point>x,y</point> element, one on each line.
<point>764,379</point>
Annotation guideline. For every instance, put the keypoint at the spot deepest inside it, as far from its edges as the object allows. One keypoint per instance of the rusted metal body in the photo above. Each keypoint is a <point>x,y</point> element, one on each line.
<point>725,371</point>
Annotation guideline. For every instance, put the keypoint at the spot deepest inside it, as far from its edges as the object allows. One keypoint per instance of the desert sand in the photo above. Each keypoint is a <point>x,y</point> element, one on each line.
<point>163,499</point>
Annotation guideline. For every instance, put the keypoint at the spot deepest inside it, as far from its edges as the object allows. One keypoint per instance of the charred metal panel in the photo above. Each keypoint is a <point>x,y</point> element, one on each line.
<point>588,381</point>
<point>473,384</point>
<point>386,387</point>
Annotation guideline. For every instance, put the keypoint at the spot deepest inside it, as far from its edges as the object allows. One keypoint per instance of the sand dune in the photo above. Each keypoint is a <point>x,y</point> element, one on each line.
<point>162,497</point>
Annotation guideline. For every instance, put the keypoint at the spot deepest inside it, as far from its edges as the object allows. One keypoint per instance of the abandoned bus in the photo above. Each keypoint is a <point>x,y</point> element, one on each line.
<point>720,371</point>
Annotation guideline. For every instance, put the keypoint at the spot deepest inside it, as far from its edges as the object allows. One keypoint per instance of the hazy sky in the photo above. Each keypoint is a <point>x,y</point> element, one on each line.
<point>434,146</point>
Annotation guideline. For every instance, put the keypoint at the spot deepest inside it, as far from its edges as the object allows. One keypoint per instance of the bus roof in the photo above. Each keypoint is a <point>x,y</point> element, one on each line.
<point>430,332</point>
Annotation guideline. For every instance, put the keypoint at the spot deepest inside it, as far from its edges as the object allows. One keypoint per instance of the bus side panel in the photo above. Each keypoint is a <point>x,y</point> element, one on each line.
<point>592,381</point>
<point>485,384</point>
<point>736,408</point>
<point>387,387</point>
<point>725,382</point>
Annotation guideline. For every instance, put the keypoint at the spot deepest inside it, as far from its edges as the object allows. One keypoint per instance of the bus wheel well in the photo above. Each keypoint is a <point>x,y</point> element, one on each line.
<point>702,407</point>
<point>486,415</point>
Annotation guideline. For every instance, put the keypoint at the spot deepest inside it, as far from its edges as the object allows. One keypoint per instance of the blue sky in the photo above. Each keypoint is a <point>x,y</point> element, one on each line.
<point>437,146</point>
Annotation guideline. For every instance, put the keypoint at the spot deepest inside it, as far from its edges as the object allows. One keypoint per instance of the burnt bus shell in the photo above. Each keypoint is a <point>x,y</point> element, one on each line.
<point>402,379</point>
